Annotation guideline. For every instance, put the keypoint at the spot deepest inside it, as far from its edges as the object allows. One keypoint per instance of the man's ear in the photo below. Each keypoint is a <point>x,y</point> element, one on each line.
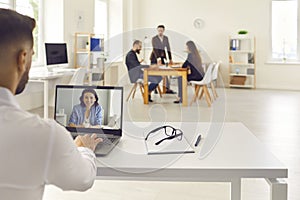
<point>21,61</point>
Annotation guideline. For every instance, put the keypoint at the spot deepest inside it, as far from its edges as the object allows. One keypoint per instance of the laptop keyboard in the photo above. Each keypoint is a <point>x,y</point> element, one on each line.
<point>108,141</point>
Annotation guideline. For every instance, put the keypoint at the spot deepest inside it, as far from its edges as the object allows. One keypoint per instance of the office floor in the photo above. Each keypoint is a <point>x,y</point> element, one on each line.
<point>272,115</point>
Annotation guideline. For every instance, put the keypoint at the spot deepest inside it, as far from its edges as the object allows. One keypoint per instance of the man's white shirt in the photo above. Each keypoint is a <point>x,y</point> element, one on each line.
<point>35,152</point>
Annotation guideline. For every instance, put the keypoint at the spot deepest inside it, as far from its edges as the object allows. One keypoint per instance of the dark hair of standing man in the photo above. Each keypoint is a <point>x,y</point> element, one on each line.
<point>161,26</point>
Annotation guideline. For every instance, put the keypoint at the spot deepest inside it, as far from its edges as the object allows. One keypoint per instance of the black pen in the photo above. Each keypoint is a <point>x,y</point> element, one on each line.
<point>198,140</point>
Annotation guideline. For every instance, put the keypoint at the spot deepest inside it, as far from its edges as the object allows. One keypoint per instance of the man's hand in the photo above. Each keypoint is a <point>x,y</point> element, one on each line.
<point>87,140</point>
<point>159,61</point>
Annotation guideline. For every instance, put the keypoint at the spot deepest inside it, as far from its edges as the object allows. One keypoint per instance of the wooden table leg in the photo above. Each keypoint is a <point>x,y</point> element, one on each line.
<point>146,87</point>
<point>184,89</point>
<point>165,84</point>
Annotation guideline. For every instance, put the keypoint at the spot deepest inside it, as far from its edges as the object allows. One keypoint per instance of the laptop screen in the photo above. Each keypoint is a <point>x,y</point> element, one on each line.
<point>89,109</point>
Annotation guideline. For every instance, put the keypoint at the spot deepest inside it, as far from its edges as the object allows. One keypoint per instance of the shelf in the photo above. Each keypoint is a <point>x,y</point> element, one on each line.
<point>241,51</point>
<point>242,86</point>
<point>242,61</point>
<point>84,34</point>
<point>248,75</point>
<point>82,51</point>
<point>242,64</point>
<point>241,37</point>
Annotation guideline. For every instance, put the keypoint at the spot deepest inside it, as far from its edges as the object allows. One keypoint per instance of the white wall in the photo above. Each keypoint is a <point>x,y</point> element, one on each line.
<point>78,17</point>
<point>221,19</point>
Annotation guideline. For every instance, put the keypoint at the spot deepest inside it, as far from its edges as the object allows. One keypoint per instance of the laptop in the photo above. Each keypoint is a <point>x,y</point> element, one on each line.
<point>103,118</point>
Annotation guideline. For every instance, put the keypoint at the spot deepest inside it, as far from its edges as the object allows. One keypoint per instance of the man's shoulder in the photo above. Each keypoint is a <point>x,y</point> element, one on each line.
<point>130,52</point>
<point>26,121</point>
<point>155,37</point>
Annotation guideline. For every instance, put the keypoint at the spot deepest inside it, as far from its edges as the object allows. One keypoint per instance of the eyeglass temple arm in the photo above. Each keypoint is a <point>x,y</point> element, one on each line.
<point>168,138</point>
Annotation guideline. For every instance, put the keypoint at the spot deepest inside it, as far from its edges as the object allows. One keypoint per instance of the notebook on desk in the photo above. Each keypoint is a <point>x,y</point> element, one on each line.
<point>173,146</point>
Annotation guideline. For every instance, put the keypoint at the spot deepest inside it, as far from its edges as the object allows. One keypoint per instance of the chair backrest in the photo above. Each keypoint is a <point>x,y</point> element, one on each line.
<point>78,77</point>
<point>215,71</point>
<point>207,75</point>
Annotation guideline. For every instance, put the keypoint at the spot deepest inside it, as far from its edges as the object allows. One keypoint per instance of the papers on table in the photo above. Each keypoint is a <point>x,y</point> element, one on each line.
<point>173,146</point>
<point>163,67</point>
<point>176,66</point>
<point>169,67</point>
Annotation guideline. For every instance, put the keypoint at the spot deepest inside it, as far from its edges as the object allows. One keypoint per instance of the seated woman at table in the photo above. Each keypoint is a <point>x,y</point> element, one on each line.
<point>87,114</point>
<point>194,63</point>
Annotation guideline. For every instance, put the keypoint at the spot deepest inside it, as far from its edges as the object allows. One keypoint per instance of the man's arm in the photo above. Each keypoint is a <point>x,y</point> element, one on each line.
<point>155,47</point>
<point>69,167</point>
<point>132,61</point>
<point>168,48</point>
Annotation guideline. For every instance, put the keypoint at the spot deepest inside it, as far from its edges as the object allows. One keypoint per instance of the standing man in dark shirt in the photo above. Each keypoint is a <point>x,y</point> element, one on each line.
<point>160,42</point>
<point>135,68</point>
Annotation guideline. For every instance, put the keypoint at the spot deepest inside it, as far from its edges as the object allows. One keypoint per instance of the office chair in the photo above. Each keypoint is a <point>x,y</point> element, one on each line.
<point>214,78</point>
<point>139,83</point>
<point>203,85</point>
<point>78,77</point>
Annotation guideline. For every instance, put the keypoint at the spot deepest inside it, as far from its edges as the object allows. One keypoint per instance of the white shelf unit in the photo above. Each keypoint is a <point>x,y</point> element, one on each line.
<point>84,57</point>
<point>242,66</point>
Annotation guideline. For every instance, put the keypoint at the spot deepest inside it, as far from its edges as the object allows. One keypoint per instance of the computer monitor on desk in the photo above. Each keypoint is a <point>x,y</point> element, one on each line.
<point>56,55</point>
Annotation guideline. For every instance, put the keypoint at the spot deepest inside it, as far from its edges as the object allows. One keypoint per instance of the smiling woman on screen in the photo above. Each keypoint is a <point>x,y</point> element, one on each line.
<point>87,114</point>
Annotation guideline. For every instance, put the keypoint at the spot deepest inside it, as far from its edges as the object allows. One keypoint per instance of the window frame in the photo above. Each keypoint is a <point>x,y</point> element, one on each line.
<point>107,17</point>
<point>280,60</point>
<point>39,61</point>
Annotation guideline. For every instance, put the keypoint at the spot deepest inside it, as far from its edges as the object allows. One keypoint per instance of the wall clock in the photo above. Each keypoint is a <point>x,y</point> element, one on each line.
<point>198,23</point>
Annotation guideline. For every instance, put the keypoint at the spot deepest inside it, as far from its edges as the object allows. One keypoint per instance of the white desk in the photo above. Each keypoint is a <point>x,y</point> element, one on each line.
<point>238,154</point>
<point>45,77</point>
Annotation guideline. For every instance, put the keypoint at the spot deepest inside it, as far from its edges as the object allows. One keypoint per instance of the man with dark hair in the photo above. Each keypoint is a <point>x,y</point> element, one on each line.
<point>34,152</point>
<point>160,44</point>
<point>135,68</point>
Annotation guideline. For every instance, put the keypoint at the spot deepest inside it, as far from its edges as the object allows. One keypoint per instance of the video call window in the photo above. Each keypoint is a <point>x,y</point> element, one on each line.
<point>89,108</point>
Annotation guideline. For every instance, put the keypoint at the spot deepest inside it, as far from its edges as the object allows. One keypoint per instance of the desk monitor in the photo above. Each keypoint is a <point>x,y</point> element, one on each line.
<point>104,115</point>
<point>56,53</point>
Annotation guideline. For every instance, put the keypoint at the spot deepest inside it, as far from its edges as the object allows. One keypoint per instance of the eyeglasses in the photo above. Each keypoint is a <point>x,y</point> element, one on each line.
<point>170,131</point>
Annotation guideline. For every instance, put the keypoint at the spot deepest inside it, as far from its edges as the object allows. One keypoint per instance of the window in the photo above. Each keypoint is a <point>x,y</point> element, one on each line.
<point>284,30</point>
<point>100,26</point>
<point>31,8</point>
<point>4,3</point>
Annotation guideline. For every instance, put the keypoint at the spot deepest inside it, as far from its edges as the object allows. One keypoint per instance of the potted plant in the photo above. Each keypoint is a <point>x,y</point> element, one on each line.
<point>242,32</point>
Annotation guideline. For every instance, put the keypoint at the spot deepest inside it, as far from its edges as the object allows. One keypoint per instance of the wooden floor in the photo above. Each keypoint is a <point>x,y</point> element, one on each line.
<point>272,115</point>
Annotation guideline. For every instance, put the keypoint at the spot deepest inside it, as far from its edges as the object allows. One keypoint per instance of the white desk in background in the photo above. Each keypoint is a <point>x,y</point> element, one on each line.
<point>237,155</point>
<point>45,77</point>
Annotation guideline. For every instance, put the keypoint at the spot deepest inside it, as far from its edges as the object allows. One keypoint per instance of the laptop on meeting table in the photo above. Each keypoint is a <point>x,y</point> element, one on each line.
<point>105,118</point>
